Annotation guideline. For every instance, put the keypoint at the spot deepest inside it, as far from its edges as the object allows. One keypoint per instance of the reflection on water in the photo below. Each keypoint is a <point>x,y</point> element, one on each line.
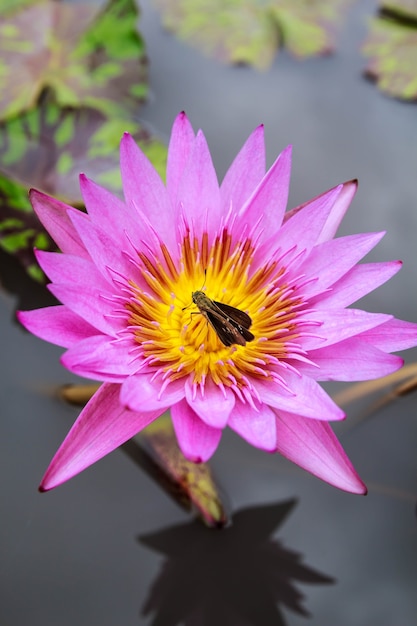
<point>237,576</point>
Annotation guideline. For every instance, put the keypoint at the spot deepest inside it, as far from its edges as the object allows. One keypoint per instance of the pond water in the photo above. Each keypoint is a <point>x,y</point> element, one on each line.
<point>110,547</point>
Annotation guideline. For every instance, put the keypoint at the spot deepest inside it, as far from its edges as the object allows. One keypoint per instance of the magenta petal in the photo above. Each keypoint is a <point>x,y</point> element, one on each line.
<point>308,399</point>
<point>110,213</point>
<point>144,189</point>
<point>257,427</point>
<point>339,209</point>
<point>199,186</point>
<point>269,200</point>
<point>107,248</point>
<point>144,392</point>
<point>66,268</point>
<point>56,324</point>
<point>99,358</point>
<point>392,336</point>
<point>340,206</point>
<point>197,440</point>
<point>215,406</point>
<point>180,147</point>
<point>359,281</point>
<point>336,325</point>
<point>103,425</point>
<point>245,173</point>
<point>88,304</point>
<point>55,216</point>
<point>294,232</point>
<point>331,260</point>
<point>312,445</point>
<point>351,360</point>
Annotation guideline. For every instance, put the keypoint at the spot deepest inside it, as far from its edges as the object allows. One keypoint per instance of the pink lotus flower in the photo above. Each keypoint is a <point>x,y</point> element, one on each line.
<point>126,277</point>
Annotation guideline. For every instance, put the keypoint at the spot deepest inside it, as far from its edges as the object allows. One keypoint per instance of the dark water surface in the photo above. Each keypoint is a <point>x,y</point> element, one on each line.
<point>110,546</point>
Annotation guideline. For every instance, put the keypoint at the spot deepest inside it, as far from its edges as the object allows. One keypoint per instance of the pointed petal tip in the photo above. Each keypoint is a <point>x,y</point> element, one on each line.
<point>37,196</point>
<point>47,483</point>
<point>182,121</point>
<point>127,141</point>
<point>358,489</point>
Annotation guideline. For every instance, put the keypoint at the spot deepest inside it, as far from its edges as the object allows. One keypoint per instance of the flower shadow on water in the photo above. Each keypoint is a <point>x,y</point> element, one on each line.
<point>237,576</point>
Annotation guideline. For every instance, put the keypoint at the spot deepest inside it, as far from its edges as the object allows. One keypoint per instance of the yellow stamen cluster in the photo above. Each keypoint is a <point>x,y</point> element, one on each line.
<point>176,341</point>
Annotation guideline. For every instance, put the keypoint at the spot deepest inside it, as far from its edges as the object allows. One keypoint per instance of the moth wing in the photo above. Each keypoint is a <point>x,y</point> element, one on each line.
<point>238,316</point>
<point>226,332</point>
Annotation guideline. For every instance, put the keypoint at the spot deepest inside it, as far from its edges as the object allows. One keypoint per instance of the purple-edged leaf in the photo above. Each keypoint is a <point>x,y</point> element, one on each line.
<point>11,6</point>
<point>86,56</point>
<point>251,31</point>
<point>47,148</point>
<point>191,484</point>
<point>391,48</point>
<point>20,229</point>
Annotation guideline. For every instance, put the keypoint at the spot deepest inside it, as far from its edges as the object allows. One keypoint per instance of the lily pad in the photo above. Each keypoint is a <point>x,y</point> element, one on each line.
<point>20,230</point>
<point>251,31</point>
<point>86,56</point>
<point>391,48</point>
<point>47,148</point>
<point>11,6</point>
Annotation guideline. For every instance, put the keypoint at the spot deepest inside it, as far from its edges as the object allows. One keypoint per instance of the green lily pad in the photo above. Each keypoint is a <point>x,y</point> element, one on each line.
<point>251,31</point>
<point>11,6</point>
<point>47,148</point>
<point>86,56</point>
<point>20,230</point>
<point>391,48</point>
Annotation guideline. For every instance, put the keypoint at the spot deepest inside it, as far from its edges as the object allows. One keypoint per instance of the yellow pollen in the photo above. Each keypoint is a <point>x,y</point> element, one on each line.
<point>175,340</point>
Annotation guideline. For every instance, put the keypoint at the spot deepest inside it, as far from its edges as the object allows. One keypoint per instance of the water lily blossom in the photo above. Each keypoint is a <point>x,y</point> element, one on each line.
<point>126,275</point>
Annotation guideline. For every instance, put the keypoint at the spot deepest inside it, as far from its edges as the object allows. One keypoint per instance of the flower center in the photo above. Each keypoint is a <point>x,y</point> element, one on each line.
<point>174,338</point>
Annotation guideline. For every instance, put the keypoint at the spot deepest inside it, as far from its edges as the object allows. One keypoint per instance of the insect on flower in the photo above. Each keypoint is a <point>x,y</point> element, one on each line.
<point>231,325</point>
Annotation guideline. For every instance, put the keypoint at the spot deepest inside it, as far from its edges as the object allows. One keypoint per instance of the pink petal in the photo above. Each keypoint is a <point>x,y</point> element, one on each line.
<point>392,336</point>
<point>312,445</point>
<point>198,197</point>
<point>269,200</point>
<point>103,425</point>
<point>143,392</point>
<point>89,305</point>
<point>303,229</point>
<point>245,173</point>
<point>144,189</point>
<point>331,260</point>
<point>350,360</point>
<point>339,325</point>
<point>339,209</point>
<point>66,268</point>
<point>180,147</point>
<point>56,324</point>
<point>258,427</point>
<point>197,440</point>
<point>214,407</point>
<point>55,216</point>
<point>99,358</point>
<point>108,249</point>
<point>110,213</point>
<point>309,399</point>
<point>358,282</point>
